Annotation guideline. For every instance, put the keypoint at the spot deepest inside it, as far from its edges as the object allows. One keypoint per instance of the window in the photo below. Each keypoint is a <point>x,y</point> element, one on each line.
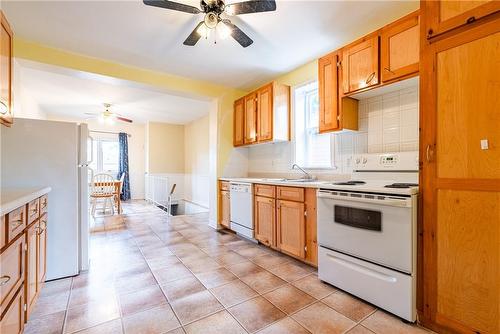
<point>312,150</point>
<point>106,156</point>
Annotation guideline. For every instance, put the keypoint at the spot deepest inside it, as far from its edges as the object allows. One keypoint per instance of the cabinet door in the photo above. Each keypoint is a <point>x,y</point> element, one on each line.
<point>291,228</point>
<point>225,209</point>
<point>31,277</point>
<point>42,250</point>
<point>13,319</point>
<point>447,15</point>
<point>11,271</point>
<point>460,86</point>
<point>5,71</point>
<point>400,48</point>
<point>265,113</point>
<point>265,220</point>
<point>239,122</point>
<point>360,65</point>
<point>250,118</point>
<point>328,93</point>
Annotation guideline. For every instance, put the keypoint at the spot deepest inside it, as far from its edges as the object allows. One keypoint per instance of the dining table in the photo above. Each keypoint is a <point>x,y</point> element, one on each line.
<point>117,185</point>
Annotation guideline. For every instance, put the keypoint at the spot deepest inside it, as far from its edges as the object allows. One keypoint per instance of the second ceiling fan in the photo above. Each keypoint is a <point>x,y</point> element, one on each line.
<point>213,10</point>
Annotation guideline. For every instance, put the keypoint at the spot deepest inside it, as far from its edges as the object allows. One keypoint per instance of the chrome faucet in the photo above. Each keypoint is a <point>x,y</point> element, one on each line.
<point>307,176</point>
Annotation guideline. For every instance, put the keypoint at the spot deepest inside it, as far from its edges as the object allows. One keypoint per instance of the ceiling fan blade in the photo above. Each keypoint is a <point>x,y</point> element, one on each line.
<point>238,35</point>
<point>173,6</point>
<point>194,37</point>
<point>252,6</point>
<point>123,119</point>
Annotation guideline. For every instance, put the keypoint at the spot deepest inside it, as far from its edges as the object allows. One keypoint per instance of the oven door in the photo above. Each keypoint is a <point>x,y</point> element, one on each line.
<point>376,228</point>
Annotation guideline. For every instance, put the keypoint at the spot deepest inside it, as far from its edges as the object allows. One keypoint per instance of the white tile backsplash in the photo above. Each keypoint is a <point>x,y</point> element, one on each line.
<point>387,123</point>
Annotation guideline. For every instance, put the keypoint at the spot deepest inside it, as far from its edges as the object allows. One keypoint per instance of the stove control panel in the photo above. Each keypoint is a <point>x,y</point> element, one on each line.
<point>400,161</point>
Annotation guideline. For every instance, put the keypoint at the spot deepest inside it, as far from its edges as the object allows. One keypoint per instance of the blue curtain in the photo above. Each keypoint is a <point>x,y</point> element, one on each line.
<point>123,166</point>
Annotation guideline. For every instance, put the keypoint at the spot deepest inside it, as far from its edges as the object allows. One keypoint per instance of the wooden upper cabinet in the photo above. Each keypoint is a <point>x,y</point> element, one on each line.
<point>328,93</point>
<point>360,64</point>
<point>239,122</point>
<point>265,220</point>
<point>447,15</point>
<point>399,44</point>
<point>291,228</point>
<point>250,119</point>
<point>265,113</point>
<point>6,68</point>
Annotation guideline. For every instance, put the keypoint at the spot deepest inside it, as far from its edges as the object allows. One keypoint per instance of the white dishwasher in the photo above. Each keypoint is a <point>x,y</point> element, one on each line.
<point>242,209</point>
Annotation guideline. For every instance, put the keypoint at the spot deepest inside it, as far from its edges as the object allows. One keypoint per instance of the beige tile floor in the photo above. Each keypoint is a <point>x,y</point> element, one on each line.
<point>153,275</point>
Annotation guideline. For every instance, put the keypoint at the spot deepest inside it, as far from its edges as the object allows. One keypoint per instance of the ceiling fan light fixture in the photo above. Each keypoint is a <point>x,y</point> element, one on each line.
<point>229,9</point>
<point>203,31</point>
<point>223,31</point>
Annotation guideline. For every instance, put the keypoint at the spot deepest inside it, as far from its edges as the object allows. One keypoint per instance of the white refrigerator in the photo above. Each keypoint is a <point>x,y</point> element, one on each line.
<point>48,153</point>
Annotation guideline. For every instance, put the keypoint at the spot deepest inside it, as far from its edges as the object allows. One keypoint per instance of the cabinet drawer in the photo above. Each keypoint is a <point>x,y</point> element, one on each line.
<point>11,272</point>
<point>12,321</point>
<point>224,185</point>
<point>33,210</point>
<point>3,232</point>
<point>291,194</point>
<point>16,222</point>
<point>44,202</point>
<point>265,190</point>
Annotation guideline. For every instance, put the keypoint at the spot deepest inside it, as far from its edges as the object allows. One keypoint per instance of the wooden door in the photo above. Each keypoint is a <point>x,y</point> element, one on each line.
<point>265,113</point>
<point>360,65</point>
<point>225,209</point>
<point>291,228</point>
<point>460,86</point>
<point>42,250</point>
<point>239,122</point>
<point>5,71</point>
<point>399,45</point>
<point>13,319</point>
<point>31,277</point>
<point>265,226</point>
<point>250,135</point>
<point>451,14</point>
<point>11,271</point>
<point>328,93</point>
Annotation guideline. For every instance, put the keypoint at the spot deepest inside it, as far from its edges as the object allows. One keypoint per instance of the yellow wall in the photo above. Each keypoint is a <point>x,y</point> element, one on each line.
<point>165,148</point>
<point>196,147</point>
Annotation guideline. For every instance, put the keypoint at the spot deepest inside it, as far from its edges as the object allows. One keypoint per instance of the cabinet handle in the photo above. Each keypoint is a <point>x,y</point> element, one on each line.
<point>4,280</point>
<point>4,109</point>
<point>15,226</point>
<point>370,78</point>
<point>388,70</point>
<point>429,153</point>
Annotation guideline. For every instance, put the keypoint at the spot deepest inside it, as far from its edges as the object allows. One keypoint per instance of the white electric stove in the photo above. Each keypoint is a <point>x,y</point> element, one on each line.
<point>367,231</point>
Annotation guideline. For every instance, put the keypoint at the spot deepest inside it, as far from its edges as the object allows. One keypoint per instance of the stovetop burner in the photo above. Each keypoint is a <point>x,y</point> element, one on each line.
<point>349,183</point>
<point>401,185</point>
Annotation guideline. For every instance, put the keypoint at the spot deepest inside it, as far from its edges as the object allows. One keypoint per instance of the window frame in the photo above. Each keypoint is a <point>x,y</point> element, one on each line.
<point>333,166</point>
<point>99,157</point>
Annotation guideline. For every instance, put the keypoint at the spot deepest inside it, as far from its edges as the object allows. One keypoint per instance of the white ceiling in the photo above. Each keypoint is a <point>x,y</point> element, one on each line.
<point>131,33</point>
<point>71,94</point>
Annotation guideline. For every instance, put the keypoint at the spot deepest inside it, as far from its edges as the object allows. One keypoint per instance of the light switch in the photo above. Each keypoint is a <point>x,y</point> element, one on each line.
<point>484,144</point>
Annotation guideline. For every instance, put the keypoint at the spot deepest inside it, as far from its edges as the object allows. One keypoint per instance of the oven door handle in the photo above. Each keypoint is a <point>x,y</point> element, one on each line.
<point>403,202</point>
<point>362,269</point>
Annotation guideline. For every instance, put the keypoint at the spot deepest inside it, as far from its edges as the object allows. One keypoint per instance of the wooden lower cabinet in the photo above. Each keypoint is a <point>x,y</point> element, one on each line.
<point>291,227</point>
<point>42,250</point>
<point>225,206</point>
<point>265,225</point>
<point>13,319</point>
<point>31,273</point>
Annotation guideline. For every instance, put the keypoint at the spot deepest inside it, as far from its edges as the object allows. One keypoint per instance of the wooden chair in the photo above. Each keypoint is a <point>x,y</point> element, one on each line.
<point>102,187</point>
<point>121,189</point>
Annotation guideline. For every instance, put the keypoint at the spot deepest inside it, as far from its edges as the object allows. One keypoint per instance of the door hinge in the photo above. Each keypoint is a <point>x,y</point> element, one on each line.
<point>305,213</point>
<point>25,307</point>
<point>339,63</point>
<point>25,247</point>
<point>305,249</point>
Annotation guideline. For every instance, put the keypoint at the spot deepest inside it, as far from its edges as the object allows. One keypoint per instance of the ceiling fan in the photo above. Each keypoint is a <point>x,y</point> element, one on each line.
<point>213,9</point>
<point>108,116</point>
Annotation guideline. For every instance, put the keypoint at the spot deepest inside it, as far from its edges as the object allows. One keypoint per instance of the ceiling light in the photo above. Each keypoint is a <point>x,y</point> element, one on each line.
<point>229,10</point>
<point>223,31</point>
<point>203,31</point>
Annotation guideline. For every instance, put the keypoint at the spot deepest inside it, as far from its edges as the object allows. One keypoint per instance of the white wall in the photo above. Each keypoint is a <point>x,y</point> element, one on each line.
<point>24,105</point>
<point>387,123</point>
<point>196,161</point>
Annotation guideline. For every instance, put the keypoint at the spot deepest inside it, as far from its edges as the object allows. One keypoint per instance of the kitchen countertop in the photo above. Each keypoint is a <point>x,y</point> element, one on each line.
<point>276,182</point>
<point>12,198</point>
